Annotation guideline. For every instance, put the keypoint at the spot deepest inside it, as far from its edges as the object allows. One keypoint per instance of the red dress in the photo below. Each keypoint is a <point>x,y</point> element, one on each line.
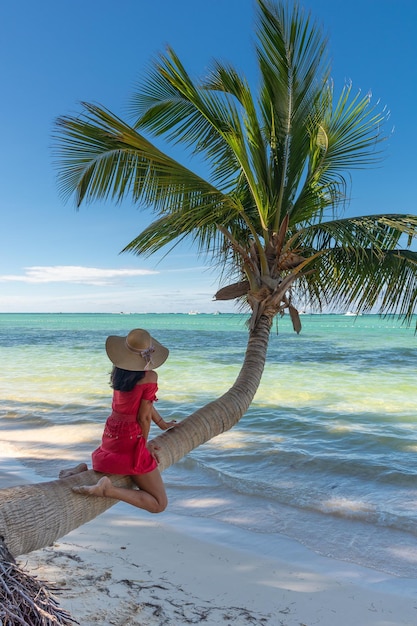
<point>123,448</point>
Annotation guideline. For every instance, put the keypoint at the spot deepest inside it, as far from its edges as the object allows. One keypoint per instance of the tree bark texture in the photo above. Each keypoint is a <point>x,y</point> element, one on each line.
<point>34,516</point>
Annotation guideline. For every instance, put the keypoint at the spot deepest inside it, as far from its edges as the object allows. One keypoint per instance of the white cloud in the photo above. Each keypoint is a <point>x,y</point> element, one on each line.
<point>73,274</point>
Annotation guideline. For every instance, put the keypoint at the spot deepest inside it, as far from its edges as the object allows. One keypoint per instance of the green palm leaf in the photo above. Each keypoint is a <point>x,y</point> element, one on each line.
<point>357,263</point>
<point>101,157</point>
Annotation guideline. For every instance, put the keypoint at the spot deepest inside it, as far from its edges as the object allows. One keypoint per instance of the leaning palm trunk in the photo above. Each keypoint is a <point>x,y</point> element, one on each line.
<point>34,516</point>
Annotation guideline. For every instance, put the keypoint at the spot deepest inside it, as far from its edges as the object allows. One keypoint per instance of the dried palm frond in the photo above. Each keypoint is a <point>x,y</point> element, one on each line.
<point>237,290</point>
<point>24,600</point>
<point>295,318</point>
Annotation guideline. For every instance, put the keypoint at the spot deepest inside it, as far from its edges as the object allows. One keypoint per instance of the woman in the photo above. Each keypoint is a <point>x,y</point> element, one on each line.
<point>124,449</point>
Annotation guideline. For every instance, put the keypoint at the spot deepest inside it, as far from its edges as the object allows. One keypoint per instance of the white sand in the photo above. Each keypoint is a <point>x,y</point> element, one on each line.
<point>129,568</point>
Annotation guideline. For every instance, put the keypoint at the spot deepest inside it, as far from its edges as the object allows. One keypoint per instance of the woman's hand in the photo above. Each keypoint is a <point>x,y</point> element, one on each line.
<point>161,423</point>
<point>167,425</point>
<point>153,450</point>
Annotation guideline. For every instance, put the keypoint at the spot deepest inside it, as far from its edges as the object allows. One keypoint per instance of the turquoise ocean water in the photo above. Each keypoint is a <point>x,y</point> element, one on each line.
<point>327,453</point>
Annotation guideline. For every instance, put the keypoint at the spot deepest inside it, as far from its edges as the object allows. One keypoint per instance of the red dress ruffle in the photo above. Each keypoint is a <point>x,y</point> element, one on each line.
<point>123,448</point>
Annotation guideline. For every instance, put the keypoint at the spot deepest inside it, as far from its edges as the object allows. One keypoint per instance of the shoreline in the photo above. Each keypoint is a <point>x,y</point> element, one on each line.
<point>130,568</point>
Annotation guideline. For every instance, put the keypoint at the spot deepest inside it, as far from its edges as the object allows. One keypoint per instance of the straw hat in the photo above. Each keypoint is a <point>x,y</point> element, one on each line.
<point>136,352</point>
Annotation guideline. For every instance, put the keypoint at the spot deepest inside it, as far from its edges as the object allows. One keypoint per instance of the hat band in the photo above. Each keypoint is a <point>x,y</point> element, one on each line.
<point>145,354</point>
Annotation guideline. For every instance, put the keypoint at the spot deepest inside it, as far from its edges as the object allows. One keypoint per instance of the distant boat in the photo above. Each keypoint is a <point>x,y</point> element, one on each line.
<point>193,312</point>
<point>352,314</point>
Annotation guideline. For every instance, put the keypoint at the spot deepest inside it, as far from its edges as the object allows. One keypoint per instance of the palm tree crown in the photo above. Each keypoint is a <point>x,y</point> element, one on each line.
<point>278,160</point>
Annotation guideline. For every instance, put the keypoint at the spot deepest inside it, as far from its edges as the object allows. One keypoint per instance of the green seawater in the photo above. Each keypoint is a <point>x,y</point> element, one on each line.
<point>326,453</point>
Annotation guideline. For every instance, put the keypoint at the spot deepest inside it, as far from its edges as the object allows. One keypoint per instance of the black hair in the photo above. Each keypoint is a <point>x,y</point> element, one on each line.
<point>124,380</point>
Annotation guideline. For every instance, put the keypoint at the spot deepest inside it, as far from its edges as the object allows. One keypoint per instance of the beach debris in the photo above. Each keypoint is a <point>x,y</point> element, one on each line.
<point>26,600</point>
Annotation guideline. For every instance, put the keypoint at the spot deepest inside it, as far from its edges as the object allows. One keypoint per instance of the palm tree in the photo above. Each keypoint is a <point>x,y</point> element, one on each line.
<point>269,213</point>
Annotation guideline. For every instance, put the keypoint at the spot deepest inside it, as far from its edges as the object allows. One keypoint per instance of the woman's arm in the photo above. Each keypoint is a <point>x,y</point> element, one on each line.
<point>144,417</point>
<point>163,425</point>
<point>152,377</point>
<point>160,422</point>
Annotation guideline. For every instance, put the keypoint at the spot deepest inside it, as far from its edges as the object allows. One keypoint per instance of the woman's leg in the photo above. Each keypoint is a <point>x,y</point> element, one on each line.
<point>150,496</point>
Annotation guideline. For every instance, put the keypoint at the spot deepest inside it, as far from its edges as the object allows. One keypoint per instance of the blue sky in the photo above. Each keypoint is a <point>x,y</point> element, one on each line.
<point>56,54</point>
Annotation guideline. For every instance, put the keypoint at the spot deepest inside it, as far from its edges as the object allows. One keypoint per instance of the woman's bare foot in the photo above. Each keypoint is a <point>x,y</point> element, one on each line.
<point>81,467</point>
<point>95,490</point>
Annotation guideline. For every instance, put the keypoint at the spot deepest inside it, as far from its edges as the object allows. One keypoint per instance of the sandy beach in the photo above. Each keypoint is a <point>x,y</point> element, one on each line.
<point>129,568</point>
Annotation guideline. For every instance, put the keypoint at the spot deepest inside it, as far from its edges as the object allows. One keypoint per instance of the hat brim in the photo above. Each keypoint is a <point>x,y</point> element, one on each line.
<point>120,355</point>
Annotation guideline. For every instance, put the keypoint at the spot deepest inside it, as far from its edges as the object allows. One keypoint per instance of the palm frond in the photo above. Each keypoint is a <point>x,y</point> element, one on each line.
<point>293,65</point>
<point>357,263</point>
<point>102,157</point>
<point>386,283</point>
<point>345,137</point>
<point>216,117</point>
<point>225,79</point>
<point>171,104</point>
<point>353,128</point>
<point>379,232</point>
